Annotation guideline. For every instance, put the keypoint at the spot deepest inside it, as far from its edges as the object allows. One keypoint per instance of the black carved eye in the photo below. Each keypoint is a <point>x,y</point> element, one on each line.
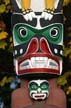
<point>54,32</point>
<point>22,32</point>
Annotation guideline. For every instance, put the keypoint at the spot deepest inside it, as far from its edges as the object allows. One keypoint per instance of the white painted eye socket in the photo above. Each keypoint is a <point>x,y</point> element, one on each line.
<point>54,32</point>
<point>22,32</point>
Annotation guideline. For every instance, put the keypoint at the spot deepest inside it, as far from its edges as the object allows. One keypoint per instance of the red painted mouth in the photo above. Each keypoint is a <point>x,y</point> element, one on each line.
<point>28,70</point>
<point>24,65</point>
<point>41,96</point>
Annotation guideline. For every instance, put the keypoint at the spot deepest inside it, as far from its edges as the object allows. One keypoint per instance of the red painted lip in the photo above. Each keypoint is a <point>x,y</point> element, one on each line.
<point>23,58</point>
<point>39,96</point>
<point>37,70</point>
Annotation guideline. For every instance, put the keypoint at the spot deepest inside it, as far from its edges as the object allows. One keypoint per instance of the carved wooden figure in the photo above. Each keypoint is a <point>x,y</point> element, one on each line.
<point>37,28</point>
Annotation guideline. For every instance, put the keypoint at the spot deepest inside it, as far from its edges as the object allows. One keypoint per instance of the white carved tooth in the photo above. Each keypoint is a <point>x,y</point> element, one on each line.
<point>41,58</point>
<point>46,59</point>
<point>52,64</point>
<point>32,61</point>
<point>60,62</point>
<point>24,64</point>
<point>16,66</point>
<point>42,65</point>
<point>47,65</point>
<point>37,58</point>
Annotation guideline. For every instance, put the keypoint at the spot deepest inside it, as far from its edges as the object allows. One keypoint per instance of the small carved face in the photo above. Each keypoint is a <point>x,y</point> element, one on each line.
<point>39,89</point>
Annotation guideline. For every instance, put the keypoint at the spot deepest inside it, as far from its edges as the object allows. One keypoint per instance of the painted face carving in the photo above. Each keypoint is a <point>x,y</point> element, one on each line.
<point>38,43</point>
<point>39,89</point>
<point>39,48</point>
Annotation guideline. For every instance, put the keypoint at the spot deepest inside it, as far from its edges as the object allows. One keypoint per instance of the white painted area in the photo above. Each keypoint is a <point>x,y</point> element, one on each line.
<point>56,3</point>
<point>37,5</point>
<point>39,62</point>
<point>18,3</point>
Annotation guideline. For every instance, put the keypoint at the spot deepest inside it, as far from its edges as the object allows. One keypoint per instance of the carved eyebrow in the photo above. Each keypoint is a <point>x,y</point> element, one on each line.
<point>58,18</point>
<point>18,18</point>
<point>44,83</point>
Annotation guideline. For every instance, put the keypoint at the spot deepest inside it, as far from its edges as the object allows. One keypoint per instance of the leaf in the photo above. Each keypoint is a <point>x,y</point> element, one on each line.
<point>2,8</point>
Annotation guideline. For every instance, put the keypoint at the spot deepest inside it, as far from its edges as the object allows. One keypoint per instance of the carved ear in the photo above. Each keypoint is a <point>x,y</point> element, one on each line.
<point>58,4</point>
<point>16,5</point>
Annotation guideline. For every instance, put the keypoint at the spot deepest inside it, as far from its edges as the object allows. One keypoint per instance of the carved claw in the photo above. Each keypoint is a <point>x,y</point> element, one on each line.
<point>28,14</point>
<point>47,14</point>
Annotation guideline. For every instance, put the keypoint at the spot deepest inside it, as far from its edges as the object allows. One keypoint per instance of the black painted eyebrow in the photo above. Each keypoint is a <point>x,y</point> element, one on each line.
<point>18,18</point>
<point>44,83</point>
<point>57,18</point>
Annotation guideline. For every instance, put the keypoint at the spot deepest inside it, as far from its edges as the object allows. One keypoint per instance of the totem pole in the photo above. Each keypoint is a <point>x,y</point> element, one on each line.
<point>37,28</point>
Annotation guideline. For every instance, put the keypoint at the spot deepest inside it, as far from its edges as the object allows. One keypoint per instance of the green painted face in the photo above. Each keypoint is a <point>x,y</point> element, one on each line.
<point>24,33</point>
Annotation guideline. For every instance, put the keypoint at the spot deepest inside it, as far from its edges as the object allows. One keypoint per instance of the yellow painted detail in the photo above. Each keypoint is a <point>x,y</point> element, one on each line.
<point>49,4</point>
<point>25,4</point>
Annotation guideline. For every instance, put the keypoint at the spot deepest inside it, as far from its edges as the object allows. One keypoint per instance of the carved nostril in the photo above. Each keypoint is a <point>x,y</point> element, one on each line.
<point>44,46</point>
<point>33,46</point>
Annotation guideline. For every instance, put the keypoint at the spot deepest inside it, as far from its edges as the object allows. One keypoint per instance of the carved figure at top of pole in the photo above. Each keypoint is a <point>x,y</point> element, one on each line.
<point>47,7</point>
<point>29,6</point>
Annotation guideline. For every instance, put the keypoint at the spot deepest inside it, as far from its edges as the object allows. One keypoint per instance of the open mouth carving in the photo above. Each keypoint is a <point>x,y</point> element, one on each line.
<point>39,62</point>
<point>39,96</point>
